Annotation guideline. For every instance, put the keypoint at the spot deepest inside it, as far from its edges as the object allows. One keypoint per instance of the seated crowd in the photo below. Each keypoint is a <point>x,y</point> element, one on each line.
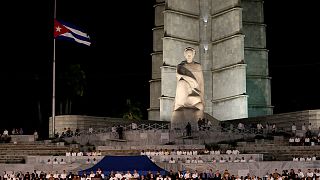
<point>309,158</point>
<point>171,175</point>
<point>195,156</point>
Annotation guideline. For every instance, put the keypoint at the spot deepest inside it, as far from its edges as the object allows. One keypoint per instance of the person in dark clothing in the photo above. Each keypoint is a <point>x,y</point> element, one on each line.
<point>120,131</point>
<point>188,128</point>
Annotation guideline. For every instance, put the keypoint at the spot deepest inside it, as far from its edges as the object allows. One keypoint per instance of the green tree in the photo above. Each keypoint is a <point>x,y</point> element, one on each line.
<point>73,85</point>
<point>133,111</point>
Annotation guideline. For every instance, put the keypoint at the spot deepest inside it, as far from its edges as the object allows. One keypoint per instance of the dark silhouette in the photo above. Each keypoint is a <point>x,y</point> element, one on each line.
<point>188,128</point>
<point>120,132</point>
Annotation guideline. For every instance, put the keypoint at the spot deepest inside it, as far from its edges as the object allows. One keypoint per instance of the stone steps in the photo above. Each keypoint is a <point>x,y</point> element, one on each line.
<point>7,159</point>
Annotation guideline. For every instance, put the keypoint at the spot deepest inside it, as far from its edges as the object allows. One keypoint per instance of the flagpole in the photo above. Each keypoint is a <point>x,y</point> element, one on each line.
<point>54,78</point>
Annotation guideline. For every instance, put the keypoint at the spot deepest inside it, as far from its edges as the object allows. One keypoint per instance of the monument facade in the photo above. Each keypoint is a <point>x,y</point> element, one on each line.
<point>229,36</point>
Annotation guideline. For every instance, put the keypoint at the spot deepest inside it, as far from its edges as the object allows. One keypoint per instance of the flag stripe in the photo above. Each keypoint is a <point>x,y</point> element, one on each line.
<point>75,31</point>
<point>79,37</point>
<point>69,35</point>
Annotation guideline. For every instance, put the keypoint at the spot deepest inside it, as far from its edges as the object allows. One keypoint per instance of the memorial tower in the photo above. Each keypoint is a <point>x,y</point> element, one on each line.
<point>229,37</point>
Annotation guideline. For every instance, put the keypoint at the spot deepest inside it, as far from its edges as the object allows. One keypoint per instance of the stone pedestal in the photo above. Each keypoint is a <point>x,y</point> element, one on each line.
<point>180,119</point>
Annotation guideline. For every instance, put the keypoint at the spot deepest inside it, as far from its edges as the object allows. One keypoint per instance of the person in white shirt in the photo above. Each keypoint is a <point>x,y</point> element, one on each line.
<point>187,175</point>
<point>99,153</point>
<point>73,154</point>
<point>308,158</point>
<point>90,130</point>
<point>236,159</point>
<point>167,178</point>
<point>307,141</point>
<point>159,177</point>
<point>136,174</point>
<point>134,126</point>
<point>68,154</point>
<point>235,152</point>
<point>251,159</point>
<point>148,152</point>
<point>118,175</point>
<point>194,160</point>
<point>94,161</point>
<point>112,177</point>
<point>88,161</point>
<point>295,159</point>
<point>80,153</point>
<point>62,161</point>
<point>302,159</point>
<point>188,161</point>
<point>195,152</point>
<point>222,160</point>
<point>228,152</point>
<point>314,158</point>
<point>303,127</point>
<point>94,153</point>
<point>128,175</point>
<point>300,174</point>
<point>152,159</point>
<point>161,152</point>
<point>217,152</point>
<point>49,175</point>
<point>142,153</point>
<point>195,175</point>
<point>55,161</point>
<point>243,160</point>
<point>63,175</point>
<point>297,141</point>
<point>56,175</point>
<point>309,127</point>
<point>189,153</point>
<point>184,152</point>
<point>152,153</point>
<point>179,152</point>
<point>291,141</point>
<point>171,161</point>
<point>200,160</point>
<point>5,132</point>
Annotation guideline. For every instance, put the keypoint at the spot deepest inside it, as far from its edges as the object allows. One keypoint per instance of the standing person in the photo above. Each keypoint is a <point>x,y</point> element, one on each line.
<point>120,132</point>
<point>294,129</point>
<point>188,128</point>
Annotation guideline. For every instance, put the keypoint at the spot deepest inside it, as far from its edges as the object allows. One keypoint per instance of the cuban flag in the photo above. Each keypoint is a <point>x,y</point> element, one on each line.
<point>66,31</point>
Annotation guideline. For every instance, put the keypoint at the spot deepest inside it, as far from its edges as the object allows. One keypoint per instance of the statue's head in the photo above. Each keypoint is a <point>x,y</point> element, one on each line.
<point>189,53</point>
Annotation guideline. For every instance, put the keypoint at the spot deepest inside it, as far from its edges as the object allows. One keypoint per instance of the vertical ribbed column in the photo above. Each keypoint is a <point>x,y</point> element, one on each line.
<point>157,61</point>
<point>256,58</point>
<point>229,99</point>
<point>205,49</point>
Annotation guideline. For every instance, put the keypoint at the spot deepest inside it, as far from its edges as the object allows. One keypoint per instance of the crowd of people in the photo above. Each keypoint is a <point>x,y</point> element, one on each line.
<point>197,156</point>
<point>208,174</point>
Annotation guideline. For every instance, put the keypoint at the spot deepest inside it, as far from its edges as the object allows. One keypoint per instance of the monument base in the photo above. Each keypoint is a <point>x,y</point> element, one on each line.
<point>181,117</point>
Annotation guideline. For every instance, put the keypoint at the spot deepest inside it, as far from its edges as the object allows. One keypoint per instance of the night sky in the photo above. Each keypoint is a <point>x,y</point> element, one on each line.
<point>118,64</point>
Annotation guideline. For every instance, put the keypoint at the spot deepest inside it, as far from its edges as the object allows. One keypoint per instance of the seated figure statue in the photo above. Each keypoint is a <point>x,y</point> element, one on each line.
<point>189,99</point>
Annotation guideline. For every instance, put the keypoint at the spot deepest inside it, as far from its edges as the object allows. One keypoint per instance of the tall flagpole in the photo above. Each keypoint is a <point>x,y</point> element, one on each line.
<point>54,78</point>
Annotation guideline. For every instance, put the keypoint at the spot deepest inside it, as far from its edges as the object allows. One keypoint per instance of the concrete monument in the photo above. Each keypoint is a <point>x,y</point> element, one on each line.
<point>230,40</point>
<point>189,99</point>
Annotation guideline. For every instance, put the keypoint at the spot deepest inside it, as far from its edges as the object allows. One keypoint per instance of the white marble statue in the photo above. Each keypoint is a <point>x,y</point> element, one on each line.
<point>189,91</point>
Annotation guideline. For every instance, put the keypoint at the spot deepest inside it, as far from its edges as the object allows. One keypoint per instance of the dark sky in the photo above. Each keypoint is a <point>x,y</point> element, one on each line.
<point>118,63</point>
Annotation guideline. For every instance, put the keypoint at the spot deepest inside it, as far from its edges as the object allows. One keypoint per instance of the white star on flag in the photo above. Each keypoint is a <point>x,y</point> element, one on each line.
<point>58,29</point>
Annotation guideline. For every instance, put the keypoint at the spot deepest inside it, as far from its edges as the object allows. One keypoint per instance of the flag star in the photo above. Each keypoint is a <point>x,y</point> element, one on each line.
<point>58,29</point>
